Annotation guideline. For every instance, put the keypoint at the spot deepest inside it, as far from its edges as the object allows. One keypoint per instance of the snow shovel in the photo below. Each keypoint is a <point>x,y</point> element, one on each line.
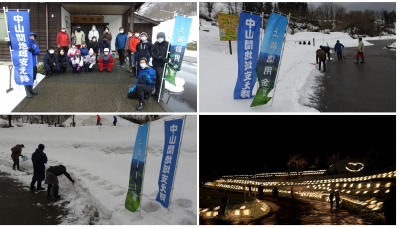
<point>24,158</point>
<point>10,89</point>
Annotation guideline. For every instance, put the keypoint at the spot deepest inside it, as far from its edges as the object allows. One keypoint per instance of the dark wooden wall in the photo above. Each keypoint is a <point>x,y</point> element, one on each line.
<point>38,24</point>
<point>147,28</point>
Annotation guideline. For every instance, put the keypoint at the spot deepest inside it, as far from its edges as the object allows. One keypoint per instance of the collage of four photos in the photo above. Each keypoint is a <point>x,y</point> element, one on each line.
<point>101,106</point>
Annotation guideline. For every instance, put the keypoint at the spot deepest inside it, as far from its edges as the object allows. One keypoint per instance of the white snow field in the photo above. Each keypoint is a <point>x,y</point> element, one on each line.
<point>9,100</point>
<point>99,159</point>
<point>219,70</point>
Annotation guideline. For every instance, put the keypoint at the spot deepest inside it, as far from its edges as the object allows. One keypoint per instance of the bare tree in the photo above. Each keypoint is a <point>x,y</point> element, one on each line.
<point>9,120</point>
<point>289,164</point>
<point>316,160</point>
<point>296,162</point>
<point>303,162</point>
<point>210,6</point>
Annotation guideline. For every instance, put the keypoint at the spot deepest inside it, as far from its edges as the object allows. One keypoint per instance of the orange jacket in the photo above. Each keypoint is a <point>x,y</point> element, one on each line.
<point>133,43</point>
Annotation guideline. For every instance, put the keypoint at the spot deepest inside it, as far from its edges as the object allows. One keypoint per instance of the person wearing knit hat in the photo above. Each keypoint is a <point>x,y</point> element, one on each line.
<point>106,60</point>
<point>77,62</point>
<point>160,55</point>
<point>90,61</point>
<point>143,49</point>
<point>120,42</point>
<point>50,62</point>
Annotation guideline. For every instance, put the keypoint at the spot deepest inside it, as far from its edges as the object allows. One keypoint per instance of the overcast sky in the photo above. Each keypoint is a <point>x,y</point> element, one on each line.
<point>389,6</point>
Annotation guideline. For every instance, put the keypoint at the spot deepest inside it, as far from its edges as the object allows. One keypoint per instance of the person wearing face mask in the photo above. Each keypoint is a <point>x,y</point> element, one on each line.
<point>63,40</point>
<point>34,49</point>
<point>106,60</point>
<point>50,62</point>
<point>95,46</point>
<point>128,50</point>
<point>77,62</point>
<point>84,50</point>
<point>71,53</point>
<point>63,61</point>
<point>160,55</point>
<point>134,41</point>
<point>120,42</point>
<point>108,34</point>
<point>104,44</point>
<point>90,61</point>
<point>78,36</point>
<point>94,32</point>
<point>143,49</point>
<point>145,84</point>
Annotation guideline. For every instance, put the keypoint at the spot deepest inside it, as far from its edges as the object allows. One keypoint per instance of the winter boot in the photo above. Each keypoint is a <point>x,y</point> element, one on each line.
<point>129,70</point>
<point>146,97</point>
<point>28,91</point>
<point>49,189</point>
<point>356,61</point>
<point>362,60</point>
<point>33,91</point>
<point>39,186</point>
<point>140,107</point>
<point>133,74</point>
<point>33,185</point>
<point>55,192</point>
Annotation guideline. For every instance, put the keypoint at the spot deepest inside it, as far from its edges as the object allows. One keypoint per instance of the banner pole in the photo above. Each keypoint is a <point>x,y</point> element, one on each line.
<point>177,160</point>
<point>8,31</point>
<point>144,167</point>
<point>166,56</point>
<point>280,61</point>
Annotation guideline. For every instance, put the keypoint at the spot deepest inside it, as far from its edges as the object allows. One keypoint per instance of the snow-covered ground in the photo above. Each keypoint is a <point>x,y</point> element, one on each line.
<point>99,159</point>
<point>219,69</point>
<point>10,100</point>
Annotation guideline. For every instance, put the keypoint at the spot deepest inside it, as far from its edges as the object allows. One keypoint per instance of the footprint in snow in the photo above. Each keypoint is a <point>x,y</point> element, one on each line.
<point>93,178</point>
<point>117,193</point>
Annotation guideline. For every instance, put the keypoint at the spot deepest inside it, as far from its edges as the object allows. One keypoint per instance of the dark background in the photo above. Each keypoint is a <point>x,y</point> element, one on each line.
<point>239,144</point>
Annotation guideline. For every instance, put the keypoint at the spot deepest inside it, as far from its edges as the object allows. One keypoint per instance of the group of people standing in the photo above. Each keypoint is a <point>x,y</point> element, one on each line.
<point>39,159</point>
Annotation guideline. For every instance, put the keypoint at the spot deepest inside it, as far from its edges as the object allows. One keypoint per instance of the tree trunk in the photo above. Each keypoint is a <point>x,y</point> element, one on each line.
<point>9,120</point>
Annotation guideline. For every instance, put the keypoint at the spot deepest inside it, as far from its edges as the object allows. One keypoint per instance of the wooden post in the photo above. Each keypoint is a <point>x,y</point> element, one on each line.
<point>313,41</point>
<point>230,47</point>
<point>132,13</point>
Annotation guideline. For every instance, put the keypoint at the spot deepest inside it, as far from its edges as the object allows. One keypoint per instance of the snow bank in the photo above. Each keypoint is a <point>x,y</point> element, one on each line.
<point>98,158</point>
<point>10,100</point>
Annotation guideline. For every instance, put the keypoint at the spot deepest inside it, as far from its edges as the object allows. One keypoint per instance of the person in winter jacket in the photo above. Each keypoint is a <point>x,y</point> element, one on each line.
<point>120,42</point>
<point>128,50</point>
<point>309,43</point>
<point>327,50</point>
<point>108,34</point>
<point>51,179</point>
<point>159,52</point>
<point>50,62</point>
<point>300,42</point>
<point>63,40</point>
<point>275,193</point>
<point>98,120</point>
<point>338,50</point>
<point>304,42</point>
<point>115,121</point>
<point>84,51</point>
<point>94,32</point>
<point>62,61</point>
<point>15,154</point>
<point>104,44</point>
<point>106,60</point>
<point>77,62</point>
<point>34,49</point>
<point>71,52</point>
<point>292,192</point>
<point>90,61</point>
<point>78,36</point>
<point>134,41</point>
<point>95,45</point>
<point>360,51</point>
<point>144,86</point>
<point>337,196</point>
<point>331,198</point>
<point>143,49</point>
<point>322,57</point>
<point>39,158</point>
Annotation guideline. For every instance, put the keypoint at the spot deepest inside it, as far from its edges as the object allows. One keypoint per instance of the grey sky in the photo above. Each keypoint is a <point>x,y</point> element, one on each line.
<point>389,6</point>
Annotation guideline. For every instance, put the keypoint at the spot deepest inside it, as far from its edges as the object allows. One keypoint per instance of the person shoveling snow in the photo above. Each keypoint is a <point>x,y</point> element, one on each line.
<point>16,153</point>
<point>51,179</point>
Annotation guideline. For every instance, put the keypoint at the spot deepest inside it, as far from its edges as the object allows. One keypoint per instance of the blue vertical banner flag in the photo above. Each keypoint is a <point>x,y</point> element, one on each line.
<point>180,38</point>
<point>173,130</point>
<point>135,188</point>
<point>19,27</point>
<point>247,51</point>
<point>270,55</point>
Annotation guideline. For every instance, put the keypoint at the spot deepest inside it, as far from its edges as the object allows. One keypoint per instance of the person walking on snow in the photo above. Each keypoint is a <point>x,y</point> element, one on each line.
<point>98,120</point>
<point>331,198</point>
<point>337,196</point>
<point>327,51</point>
<point>93,32</point>
<point>322,57</point>
<point>338,50</point>
<point>16,153</point>
<point>115,121</point>
<point>51,179</point>
<point>292,192</point>
<point>360,51</point>
<point>120,42</point>
<point>39,158</point>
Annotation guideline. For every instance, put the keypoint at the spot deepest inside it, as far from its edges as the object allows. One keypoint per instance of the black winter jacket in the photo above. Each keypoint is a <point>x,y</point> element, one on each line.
<point>158,52</point>
<point>95,46</point>
<point>143,50</point>
<point>50,61</point>
<point>62,60</point>
<point>326,49</point>
<point>39,159</point>
<point>59,170</point>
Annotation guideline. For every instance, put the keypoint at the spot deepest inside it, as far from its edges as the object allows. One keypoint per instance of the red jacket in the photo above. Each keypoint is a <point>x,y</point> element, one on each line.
<point>63,39</point>
<point>98,117</point>
<point>133,43</point>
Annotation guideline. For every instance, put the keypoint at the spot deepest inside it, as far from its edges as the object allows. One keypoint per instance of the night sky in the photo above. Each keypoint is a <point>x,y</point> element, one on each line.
<point>239,144</point>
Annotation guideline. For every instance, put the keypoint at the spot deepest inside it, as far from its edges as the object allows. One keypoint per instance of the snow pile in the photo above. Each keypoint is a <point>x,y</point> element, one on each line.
<point>99,159</point>
<point>393,45</point>
<point>390,37</point>
<point>10,100</point>
<point>91,120</point>
<point>178,87</point>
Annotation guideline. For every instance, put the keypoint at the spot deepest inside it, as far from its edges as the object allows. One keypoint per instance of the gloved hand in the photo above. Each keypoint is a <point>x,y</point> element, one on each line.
<point>148,79</point>
<point>165,60</point>
<point>48,68</point>
<point>9,44</point>
<point>101,55</point>
<point>131,89</point>
<point>58,68</point>
<point>113,54</point>
<point>31,50</point>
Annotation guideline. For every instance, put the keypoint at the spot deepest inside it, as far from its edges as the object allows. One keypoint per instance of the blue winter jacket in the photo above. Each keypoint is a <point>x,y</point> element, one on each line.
<point>115,119</point>
<point>147,71</point>
<point>338,47</point>
<point>35,46</point>
<point>120,41</point>
<point>84,52</point>
<point>104,45</point>
<point>39,159</point>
